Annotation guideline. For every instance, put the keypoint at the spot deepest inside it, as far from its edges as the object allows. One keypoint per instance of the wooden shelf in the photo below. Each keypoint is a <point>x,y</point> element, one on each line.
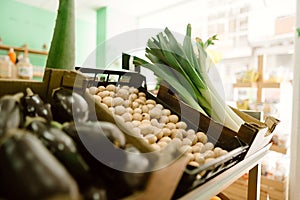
<point>245,85</point>
<point>260,84</point>
<point>255,85</point>
<point>275,189</point>
<point>23,49</point>
<point>270,85</point>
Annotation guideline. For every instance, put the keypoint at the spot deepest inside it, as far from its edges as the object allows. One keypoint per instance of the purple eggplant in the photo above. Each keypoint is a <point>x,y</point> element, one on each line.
<point>63,148</point>
<point>11,113</point>
<point>69,106</point>
<point>29,171</point>
<point>35,106</point>
<point>102,145</point>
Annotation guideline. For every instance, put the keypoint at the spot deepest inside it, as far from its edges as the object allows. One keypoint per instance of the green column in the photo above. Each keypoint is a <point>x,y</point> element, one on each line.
<point>101,36</point>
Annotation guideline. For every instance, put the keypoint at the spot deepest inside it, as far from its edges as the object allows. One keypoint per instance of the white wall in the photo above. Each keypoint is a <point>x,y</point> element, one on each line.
<point>119,22</point>
<point>294,192</point>
<point>177,17</point>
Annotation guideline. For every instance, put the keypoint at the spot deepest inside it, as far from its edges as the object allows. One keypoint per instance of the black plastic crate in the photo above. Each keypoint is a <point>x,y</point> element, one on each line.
<point>217,134</point>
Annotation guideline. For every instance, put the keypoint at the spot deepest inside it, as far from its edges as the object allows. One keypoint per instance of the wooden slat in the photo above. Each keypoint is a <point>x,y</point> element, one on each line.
<point>274,189</point>
<point>23,49</point>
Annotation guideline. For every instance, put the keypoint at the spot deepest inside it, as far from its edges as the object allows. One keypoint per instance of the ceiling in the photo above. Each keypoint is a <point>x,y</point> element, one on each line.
<point>133,7</point>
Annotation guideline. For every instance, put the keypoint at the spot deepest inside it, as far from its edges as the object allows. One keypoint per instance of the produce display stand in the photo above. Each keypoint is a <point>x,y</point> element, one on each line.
<point>163,183</point>
<point>270,188</point>
<point>254,133</point>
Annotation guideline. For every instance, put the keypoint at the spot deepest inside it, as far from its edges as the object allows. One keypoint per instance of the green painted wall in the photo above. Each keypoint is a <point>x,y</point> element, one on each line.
<point>85,40</point>
<point>101,36</point>
<point>21,23</point>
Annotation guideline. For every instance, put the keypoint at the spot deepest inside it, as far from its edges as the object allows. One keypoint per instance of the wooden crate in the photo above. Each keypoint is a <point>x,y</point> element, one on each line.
<point>53,79</point>
<point>272,189</point>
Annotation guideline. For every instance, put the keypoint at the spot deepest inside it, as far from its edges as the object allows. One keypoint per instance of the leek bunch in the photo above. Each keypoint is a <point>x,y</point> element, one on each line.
<point>185,69</point>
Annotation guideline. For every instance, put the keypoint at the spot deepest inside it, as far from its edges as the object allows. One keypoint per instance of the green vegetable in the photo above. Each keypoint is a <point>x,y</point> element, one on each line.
<point>166,53</point>
<point>62,50</point>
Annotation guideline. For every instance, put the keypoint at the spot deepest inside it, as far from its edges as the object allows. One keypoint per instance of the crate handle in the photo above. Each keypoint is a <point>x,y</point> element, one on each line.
<point>136,79</point>
<point>271,123</point>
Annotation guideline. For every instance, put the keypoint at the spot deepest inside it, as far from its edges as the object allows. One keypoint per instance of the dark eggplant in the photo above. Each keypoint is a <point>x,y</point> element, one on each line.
<point>11,112</point>
<point>69,106</point>
<point>95,193</point>
<point>35,106</point>
<point>29,171</point>
<point>96,143</point>
<point>63,148</point>
<point>78,131</point>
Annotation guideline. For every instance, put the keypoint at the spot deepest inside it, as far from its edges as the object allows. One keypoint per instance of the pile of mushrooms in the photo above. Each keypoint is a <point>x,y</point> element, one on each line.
<point>156,124</point>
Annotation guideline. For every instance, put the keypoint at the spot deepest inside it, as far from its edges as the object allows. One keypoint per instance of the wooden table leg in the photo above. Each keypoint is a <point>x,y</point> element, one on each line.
<point>254,183</point>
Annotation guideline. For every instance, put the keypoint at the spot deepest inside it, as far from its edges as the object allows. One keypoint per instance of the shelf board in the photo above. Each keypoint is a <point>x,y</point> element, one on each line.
<point>278,149</point>
<point>255,85</point>
<point>37,52</point>
<point>21,49</point>
<point>245,85</point>
<point>270,85</point>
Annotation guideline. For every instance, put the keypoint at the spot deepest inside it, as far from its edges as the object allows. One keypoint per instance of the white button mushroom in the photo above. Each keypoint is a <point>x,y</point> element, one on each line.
<point>118,101</point>
<point>181,125</point>
<point>123,93</point>
<point>166,132</point>
<point>186,141</point>
<point>137,110</point>
<point>202,137</point>
<point>107,101</point>
<point>137,116</point>
<point>127,117</point>
<point>146,116</point>
<point>209,146</point>
<point>101,88</point>
<point>141,94</point>
<point>120,110</point>
<point>93,90</point>
<point>166,112</point>
<point>165,139</point>
<point>164,119</point>
<point>97,98</point>
<point>155,113</point>
<point>194,164</point>
<point>145,109</point>
<point>151,138</point>
<point>173,118</point>
<point>150,101</point>
<point>103,94</point>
